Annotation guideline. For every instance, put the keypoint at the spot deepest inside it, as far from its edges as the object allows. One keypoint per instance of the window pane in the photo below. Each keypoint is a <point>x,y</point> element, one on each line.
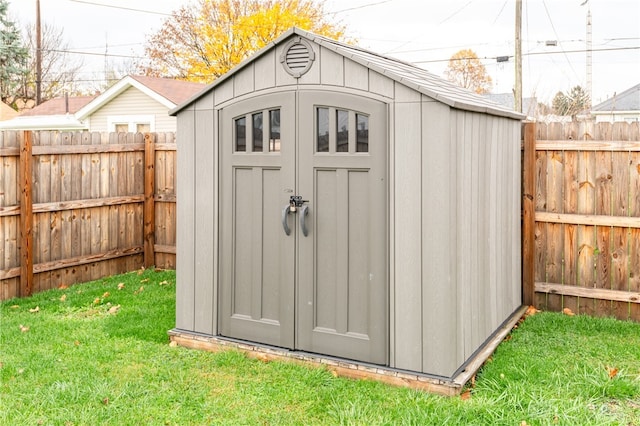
<point>342,140</point>
<point>323,130</point>
<point>122,128</point>
<point>241,134</point>
<point>257,132</point>
<point>274,130</point>
<point>143,127</point>
<point>362,124</point>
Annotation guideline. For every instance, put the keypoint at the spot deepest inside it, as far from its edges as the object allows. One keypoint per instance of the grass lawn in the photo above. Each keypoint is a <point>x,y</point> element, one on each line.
<point>98,354</point>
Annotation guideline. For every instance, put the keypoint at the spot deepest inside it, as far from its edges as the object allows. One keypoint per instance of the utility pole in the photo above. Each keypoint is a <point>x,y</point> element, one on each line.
<point>38,56</point>
<point>518,57</point>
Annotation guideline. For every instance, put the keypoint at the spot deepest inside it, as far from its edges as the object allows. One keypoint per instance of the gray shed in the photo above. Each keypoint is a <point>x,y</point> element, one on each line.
<point>340,205</point>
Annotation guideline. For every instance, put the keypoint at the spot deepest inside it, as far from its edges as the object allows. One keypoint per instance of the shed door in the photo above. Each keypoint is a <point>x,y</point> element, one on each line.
<point>321,287</point>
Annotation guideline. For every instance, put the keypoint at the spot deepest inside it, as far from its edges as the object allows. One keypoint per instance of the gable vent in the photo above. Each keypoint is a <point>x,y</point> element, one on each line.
<point>297,57</point>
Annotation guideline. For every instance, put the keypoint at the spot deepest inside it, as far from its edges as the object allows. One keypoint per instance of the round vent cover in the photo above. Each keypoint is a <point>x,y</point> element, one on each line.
<point>297,57</point>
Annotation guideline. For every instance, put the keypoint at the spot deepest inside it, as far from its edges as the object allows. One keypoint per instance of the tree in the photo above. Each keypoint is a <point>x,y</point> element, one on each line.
<point>13,57</point>
<point>572,103</point>
<point>60,73</point>
<point>466,70</point>
<point>205,39</point>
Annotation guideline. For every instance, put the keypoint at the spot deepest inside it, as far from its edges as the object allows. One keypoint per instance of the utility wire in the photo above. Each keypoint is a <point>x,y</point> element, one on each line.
<point>121,7</point>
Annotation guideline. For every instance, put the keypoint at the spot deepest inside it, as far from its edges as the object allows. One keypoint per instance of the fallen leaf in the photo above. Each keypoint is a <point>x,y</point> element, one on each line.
<point>556,419</point>
<point>15,306</point>
<point>76,342</point>
<point>613,372</point>
<point>105,401</point>
<point>145,280</point>
<point>173,344</point>
<point>141,271</point>
<point>24,328</point>
<point>35,310</point>
<point>140,290</point>
<point>96,301</point>
<point>465,395</point>
<point>531,310</point>
<point>568,311</point>
<point>334,373</point>
<point>165,282</point>
<point>508,337</point>
<point>63,297</point>
<point>114,309</point>
<point>105,295</point>
<point>63,287</point>
<point>473,381</point>
<point>120,286</point>
<point>524,423</point>
<point>20,370</point>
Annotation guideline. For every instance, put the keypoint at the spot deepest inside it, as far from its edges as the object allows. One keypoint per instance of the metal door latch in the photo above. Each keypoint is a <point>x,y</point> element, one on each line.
<point>296,201</point>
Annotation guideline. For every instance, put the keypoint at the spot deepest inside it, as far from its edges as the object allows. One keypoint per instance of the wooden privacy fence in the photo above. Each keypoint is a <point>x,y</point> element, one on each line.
<point>581,218</point>
<point>79,206</point>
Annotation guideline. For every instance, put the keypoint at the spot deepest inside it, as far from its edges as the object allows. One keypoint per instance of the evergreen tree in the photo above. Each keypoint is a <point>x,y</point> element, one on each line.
<point>13,57</point>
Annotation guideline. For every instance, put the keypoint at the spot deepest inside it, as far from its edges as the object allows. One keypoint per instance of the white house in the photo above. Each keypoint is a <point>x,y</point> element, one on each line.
<point>624,106</point>
<point>133,104</point>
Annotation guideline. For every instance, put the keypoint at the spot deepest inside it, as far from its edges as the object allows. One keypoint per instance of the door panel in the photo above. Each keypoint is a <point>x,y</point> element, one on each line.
<point>256,257</point>
<point>342,267</point>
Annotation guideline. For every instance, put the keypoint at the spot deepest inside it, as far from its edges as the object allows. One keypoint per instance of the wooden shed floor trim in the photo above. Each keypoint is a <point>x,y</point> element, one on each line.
<point>351,369</point>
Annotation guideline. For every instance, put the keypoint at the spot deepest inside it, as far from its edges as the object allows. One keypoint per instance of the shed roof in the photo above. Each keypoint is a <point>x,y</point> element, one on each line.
<point>405,73</point>
<point>629,100</point>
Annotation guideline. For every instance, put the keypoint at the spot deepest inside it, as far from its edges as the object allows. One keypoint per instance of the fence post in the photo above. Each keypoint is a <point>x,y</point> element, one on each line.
<point>529,211</point>
<point>26,215</point>
<point>149,199</point>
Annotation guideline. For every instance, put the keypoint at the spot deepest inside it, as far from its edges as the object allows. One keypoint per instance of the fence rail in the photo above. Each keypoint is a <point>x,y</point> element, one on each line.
<point>79,206</point>
<point>581,218</point>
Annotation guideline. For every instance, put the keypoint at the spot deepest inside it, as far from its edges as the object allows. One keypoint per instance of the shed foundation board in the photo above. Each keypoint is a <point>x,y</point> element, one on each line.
<point>345,368</point>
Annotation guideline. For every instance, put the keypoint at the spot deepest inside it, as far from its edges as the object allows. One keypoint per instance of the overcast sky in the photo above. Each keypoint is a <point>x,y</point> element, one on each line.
<point>426,32</point>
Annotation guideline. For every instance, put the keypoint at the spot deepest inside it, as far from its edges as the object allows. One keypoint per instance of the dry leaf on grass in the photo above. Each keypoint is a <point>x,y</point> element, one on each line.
<point>15,306</point>
<point>105,295</point>
<point>63,287</point>
<point>114,309</point>
<point>165,282</point>
<point>173,344</point>
<point>120,286</point>
<point>465,395</point>
<point>24,328</point>
<point>63,297</point>
<point>35,310</point>
<point>96,301</point>
<point>568,311</point>
<point>144,280</point>
<point>140,290</point>
<point>531,310</point>
<point>613,372</point>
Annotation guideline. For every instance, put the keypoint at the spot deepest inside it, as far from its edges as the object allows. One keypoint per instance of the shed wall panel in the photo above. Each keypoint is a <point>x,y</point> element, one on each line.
<point>205,161</point>
<point>265,72</point>
<point>223,92</point>
<point>382,85</point>
<point>243,81</point>
<point>185,217</point>
<point>407,238</point>
<point>355,75</point>
<point>331,68</point>
<point>438,241</point>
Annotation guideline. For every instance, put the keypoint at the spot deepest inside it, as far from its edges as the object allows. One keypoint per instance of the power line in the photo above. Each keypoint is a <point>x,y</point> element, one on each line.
<point>121,7</point>
<point>361,7</point>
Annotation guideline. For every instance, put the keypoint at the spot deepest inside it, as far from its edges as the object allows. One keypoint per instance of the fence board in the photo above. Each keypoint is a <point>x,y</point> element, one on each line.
<point>588,218</point>
<point>87,208</point>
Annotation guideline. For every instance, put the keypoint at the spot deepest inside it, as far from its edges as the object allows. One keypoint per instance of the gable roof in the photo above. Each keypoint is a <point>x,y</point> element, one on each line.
<point>402,72</point>
<point>58,106</point>
<point>166,91</point>
<point>529,105</point>
<point>6,112</point>
<point>629,100</point>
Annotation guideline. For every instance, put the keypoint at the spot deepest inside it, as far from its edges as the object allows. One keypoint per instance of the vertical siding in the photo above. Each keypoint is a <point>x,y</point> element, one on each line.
<point>407,237</point>
<point>133,102</point>
<point>355,75</point>
<point>331,68</point>
<point>438,241</point>
<point>205,172</point>
<point>185,218</point>
<point>243,81</point>
<point>265,70</point>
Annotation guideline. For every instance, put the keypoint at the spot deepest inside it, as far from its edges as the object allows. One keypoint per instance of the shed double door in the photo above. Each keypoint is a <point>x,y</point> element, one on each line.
<point>313,277</point>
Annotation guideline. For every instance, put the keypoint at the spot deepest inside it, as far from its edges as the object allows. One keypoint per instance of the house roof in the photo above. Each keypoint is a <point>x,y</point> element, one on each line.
<point>166,91</point>
<point>6,112</point>
<point>405,73</point>
<point>58,106</point>
<point>507,99</point>
<point>629,100</point>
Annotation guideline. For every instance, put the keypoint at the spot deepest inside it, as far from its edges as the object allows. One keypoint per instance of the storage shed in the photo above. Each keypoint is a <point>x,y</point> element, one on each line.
<point>341,206</point>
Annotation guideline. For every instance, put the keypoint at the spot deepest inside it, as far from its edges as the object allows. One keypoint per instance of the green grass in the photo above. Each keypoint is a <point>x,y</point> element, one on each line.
<point>78,364</point>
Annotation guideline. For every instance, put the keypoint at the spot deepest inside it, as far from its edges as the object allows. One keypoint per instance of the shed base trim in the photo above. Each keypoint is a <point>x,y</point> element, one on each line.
<point>351,369</point>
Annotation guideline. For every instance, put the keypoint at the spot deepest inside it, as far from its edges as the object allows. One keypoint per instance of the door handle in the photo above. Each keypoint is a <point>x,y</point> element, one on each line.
<point>285,213</point>
<point>303,222</point>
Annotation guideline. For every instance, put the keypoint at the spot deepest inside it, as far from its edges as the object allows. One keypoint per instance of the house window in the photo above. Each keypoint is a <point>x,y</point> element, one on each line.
<point>131,123</point>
